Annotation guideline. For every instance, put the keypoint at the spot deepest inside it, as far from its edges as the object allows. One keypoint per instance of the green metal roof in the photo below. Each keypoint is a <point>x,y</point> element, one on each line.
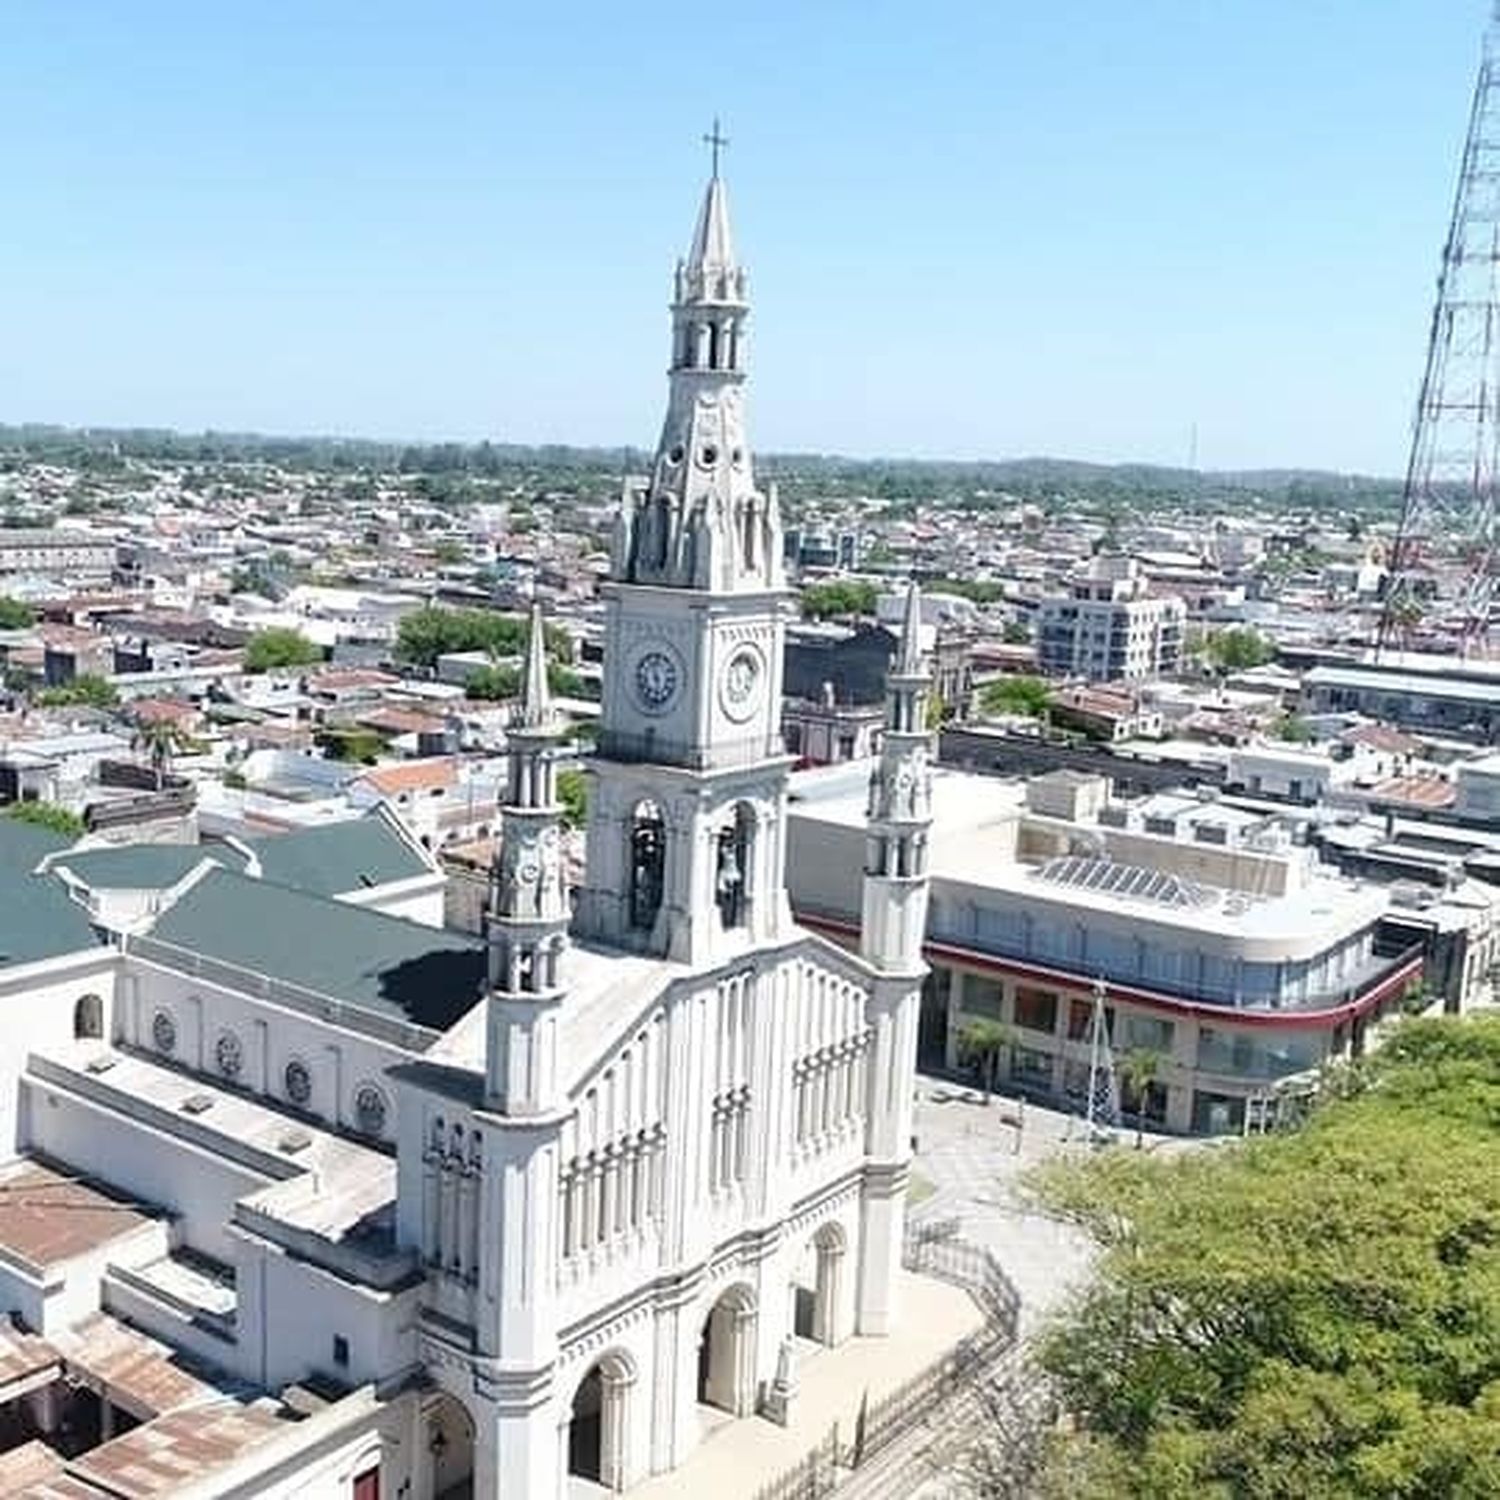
<point>38,919</point>
<point>144,867</point>
<point>336,858</point>
<point>395,968</point>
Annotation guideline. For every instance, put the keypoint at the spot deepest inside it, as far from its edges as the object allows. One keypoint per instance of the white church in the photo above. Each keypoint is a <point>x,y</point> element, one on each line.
<point>310,1197</point>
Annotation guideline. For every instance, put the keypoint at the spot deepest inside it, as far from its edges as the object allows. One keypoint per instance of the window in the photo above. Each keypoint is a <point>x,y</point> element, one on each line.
<point>229,1055</point>
<point>648,854</point>
<point>164,1032</point>
<point>297,1081</point>
<point>88,1017</point>
<point>369,1110</point>
<point>982,997</point>
<point>340,1350</point>
<point>1148,1033</point>
<point>1036,1010</point>
<point>1081,1020</point>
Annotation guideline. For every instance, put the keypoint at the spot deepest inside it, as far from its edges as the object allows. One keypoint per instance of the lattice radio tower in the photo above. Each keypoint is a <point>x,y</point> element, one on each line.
<point>1444,567</point>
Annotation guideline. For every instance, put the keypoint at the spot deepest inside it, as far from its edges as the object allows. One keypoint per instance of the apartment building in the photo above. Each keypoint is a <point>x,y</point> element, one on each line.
<point>1108,627</point>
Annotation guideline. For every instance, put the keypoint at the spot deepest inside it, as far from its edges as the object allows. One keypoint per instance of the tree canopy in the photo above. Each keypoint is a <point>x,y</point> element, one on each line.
<point>14,615</point>
<point>87,690</point>
<point>1016,695</point>
<point>837,597</point>
<point>426,634</point>
<point>279,647</point>
<point>1238,648</point>
<point>1303,1315</point>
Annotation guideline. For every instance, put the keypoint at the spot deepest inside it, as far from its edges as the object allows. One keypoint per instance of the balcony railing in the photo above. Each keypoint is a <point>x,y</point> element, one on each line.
<point>659,750</point>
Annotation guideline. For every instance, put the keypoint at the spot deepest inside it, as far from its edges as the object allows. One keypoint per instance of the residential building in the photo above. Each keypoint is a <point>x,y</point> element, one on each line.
<point>1108,626</point>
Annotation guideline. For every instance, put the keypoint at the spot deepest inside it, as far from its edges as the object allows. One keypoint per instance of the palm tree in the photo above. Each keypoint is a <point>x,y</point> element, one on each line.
<point>980,1043</point>
<point>159,739</point>
<point>1138,1070</point>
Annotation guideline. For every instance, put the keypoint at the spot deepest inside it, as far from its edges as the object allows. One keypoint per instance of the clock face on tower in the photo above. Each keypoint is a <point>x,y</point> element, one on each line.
<point>655,681</point>
<point>740,686</point>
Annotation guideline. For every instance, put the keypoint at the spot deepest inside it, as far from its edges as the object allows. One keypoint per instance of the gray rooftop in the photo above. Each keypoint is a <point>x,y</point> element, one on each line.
<point>143,867</point>
<point>38,919</point>
<point>334,858</point>
<point>397,969</point>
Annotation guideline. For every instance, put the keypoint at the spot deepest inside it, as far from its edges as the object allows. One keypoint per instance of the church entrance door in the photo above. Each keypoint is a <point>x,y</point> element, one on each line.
<point>596,1430</point>
<point>726,1354</point>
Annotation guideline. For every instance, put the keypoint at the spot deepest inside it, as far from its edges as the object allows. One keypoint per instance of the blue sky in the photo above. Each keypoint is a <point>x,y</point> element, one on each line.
<point>974,230</point>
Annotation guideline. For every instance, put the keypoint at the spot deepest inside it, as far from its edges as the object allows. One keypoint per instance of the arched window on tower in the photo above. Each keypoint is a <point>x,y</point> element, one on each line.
<point>648,858</point>
<point>713,346</point>
<point>663,529</point>
<point>748,525</point>
<point>732,874</point>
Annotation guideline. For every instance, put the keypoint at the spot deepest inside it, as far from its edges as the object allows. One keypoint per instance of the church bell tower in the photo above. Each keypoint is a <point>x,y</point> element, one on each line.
<point>686,833</point>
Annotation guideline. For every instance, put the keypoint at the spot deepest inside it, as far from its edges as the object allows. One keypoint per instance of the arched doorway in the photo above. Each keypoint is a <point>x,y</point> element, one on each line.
<point>818,1288</point>
<point>448,1450</point>
<point>597,1427</point>
<point>726,1354</point>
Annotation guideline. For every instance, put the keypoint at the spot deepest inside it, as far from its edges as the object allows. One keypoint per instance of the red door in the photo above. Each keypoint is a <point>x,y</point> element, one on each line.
<point>367,1485</point>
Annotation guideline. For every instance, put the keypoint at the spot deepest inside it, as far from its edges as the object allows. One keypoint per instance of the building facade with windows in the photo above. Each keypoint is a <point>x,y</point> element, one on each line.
<point>1222,946</point>
<point>1108,626</point>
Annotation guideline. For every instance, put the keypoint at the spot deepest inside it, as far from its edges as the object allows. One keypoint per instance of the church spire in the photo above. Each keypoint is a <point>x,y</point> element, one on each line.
<point>698,521</point>
<point>909,653</point>
<point>536,698</point>
<point>527,922</point>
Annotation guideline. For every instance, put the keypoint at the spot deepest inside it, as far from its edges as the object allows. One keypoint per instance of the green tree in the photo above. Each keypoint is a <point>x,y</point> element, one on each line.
<point>1238,648</point>
<point>87,690</point>
<point>362,745</point>
<point>47,815</point>
<point>573,793</point>
<point>1015,633</point>
<point>1293,728</point>
<point>838,598</point>
<point>1016,695</point>
<point>1306,1314</point>
<point>493,683</point>
<point>981,1044</point>
<point>1137,1071</point>
<point>280,647</point>
<point>14,615</point>
<point>428,633</point>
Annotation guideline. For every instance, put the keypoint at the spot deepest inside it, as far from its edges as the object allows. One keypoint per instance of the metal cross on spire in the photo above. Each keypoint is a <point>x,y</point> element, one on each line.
<point>716,142</point>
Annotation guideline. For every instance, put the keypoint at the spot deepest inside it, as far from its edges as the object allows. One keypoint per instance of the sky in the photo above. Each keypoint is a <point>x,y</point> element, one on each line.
<point>1080,228</point>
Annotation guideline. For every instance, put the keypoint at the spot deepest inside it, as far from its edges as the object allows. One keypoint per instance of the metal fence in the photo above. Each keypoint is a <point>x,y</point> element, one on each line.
<point>932,1249</point>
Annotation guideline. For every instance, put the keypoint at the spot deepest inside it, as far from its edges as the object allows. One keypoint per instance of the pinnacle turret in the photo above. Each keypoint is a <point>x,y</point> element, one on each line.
<point>535,712</point>
<point>909,653</point>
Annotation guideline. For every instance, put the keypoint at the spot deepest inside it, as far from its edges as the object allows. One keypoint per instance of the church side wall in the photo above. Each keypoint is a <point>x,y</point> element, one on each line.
<point>337,1061</point>
<point>37,1006</point>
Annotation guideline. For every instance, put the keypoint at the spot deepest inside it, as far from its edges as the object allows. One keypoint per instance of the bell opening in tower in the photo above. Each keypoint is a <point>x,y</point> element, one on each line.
<point>648,853</point>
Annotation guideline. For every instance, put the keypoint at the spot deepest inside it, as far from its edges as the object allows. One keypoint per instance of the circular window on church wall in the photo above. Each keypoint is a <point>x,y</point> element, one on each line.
<point>164,1032</point>
<point>229,1055</point>
<point>297,1081</point>
<point>369,1110</point>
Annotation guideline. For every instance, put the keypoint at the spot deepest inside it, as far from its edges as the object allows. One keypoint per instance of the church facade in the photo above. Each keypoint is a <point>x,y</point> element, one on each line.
<point>690,1138</point>
<point>430,1217</point>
